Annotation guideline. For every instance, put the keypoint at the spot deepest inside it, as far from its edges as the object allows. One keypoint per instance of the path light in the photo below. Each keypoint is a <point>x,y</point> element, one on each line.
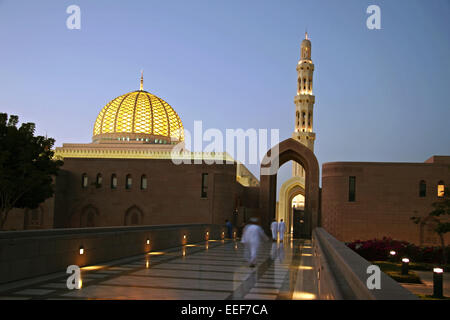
<point>148,241</point>
<point>392,255</point>
<point>81,250</point>
<point>234,235</point>
<point>437,282</point>
<point>405,266</point>
<point>223,235</point>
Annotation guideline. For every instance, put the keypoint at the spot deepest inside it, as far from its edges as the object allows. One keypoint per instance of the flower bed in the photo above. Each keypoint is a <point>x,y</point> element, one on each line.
<point>378,250</point>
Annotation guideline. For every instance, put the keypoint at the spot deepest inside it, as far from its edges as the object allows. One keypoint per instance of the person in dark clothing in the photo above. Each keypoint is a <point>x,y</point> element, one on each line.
<point>229,229</point>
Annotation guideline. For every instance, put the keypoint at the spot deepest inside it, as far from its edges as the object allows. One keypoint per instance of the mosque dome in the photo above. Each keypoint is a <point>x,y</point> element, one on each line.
<point>138,117</point>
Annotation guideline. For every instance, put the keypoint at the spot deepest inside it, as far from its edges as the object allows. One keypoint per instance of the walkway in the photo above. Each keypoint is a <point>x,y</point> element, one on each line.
<point>426,287</point>
<point>213,270</point>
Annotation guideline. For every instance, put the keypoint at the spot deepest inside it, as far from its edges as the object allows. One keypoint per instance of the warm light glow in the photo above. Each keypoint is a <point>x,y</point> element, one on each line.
<point>139,112</point>
<point>405,260</point>
<point>392,253</point>
<point>148,241</point>
<point>440,190</point>
<point>92,268</point>
<point>305,268</point>
<point>306,254</point>
<point>298,201</point>
<point>438,270</point>
<point>184,237</point>
<point>147,264</point>
<point>155,253</point>
<point>214,240</point>
<point>81,250</point>
<point>191,245</point>
<point>303,296</point>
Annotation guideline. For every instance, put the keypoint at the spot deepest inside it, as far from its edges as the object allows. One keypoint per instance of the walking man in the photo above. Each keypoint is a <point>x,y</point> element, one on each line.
<point>274,228</point>
<point>281,229</point>
<point>253,234</point>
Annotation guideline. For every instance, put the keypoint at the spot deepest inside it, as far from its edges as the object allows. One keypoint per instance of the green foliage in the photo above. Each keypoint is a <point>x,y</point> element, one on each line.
<point>394,270</point>
<point>440,208</point>
<point>26,166</point>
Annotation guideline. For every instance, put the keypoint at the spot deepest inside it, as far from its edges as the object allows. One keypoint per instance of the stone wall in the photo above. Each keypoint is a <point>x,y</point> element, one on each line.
<point>387,196</point>
<point>26,254</point>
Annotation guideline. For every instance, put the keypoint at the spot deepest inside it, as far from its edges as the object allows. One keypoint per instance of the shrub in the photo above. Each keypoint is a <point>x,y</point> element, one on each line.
<point>378,250</point>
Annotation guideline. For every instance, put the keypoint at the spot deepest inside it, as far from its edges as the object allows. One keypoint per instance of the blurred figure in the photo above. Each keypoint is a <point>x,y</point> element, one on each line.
<point>229,229</point>
<point>281,252</point>
<point>274,228</point>
<point>252,236</point>
<point>281,229</point>
<point>274,251</point>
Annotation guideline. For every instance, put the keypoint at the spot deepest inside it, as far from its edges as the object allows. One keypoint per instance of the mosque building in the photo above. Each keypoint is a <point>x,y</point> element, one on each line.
<point>126,176</point>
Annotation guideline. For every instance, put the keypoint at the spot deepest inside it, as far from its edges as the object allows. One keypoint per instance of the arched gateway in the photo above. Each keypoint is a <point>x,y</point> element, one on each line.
<point>285,151</point>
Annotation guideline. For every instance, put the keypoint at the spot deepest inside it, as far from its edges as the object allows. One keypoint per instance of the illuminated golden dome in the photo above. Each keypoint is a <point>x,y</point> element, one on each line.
<point>138,117</point>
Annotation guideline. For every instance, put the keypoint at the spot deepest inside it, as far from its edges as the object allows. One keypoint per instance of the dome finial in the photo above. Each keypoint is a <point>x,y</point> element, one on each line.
<point>142,80</point>
<point>306,34</point>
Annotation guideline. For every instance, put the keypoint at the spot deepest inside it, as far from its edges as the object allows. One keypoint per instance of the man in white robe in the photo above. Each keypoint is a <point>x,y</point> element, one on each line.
<point>281,229</point>
<point>252,236</point>
<point>274,228</point>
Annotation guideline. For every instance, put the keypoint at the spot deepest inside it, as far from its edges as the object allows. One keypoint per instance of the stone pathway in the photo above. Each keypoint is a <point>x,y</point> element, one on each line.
<point>426,288</point>
<point>213,270</point>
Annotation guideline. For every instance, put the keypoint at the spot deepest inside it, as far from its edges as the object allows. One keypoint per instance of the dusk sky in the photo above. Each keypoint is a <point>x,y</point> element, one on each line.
<point>381,95</point>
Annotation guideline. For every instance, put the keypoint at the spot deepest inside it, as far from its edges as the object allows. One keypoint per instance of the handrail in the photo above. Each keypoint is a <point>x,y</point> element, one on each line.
<point>347,272</point>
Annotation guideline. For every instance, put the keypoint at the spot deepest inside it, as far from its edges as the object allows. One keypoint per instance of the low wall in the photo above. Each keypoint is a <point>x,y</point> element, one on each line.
<point>342,273</point>
<point>27,254</point>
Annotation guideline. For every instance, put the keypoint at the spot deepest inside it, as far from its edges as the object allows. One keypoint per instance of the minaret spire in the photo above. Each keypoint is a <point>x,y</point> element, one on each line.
<point>142,80</point>
<point>304,103</point>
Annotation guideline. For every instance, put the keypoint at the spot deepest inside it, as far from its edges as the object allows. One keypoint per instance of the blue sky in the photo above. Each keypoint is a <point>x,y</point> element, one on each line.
<point>381,95</point>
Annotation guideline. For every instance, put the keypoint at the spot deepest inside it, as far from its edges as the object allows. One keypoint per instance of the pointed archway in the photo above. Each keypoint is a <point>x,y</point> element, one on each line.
<point>289,150</point>
<point>289,189</point>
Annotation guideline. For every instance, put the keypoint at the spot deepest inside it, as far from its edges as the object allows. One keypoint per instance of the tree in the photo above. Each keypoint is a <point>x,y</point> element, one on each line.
<point>26,166</point>
<point>441,209</point>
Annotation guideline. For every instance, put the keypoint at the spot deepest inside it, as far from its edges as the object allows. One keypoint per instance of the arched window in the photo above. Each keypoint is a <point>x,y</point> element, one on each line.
<point>143,182</point>
<point>84,180</point>
<point>90,219</point>
<point>128,181</point>
<point>113,181</point>
<point>440,189</point>
<point>99,180</point>
<point>422,189</point>
<point>134,218</point>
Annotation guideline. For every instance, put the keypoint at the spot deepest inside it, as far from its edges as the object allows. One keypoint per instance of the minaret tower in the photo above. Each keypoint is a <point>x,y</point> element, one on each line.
<point>304,103</point>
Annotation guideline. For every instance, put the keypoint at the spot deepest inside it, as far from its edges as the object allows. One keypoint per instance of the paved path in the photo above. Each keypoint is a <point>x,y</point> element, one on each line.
<point>212,270</point>
<point>426,288</point>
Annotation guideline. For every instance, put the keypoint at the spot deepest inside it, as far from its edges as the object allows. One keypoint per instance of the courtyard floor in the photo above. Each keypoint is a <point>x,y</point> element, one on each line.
<point>213,270</point>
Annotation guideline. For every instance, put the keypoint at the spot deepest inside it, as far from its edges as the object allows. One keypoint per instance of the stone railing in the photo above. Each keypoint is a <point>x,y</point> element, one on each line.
<point>27,254</point>
<point>342,273</point>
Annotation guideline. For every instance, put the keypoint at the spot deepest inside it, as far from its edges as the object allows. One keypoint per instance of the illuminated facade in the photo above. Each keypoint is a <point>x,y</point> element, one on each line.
<point>127,175</point>
<point>138,117</point>
<point>304,103</point>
